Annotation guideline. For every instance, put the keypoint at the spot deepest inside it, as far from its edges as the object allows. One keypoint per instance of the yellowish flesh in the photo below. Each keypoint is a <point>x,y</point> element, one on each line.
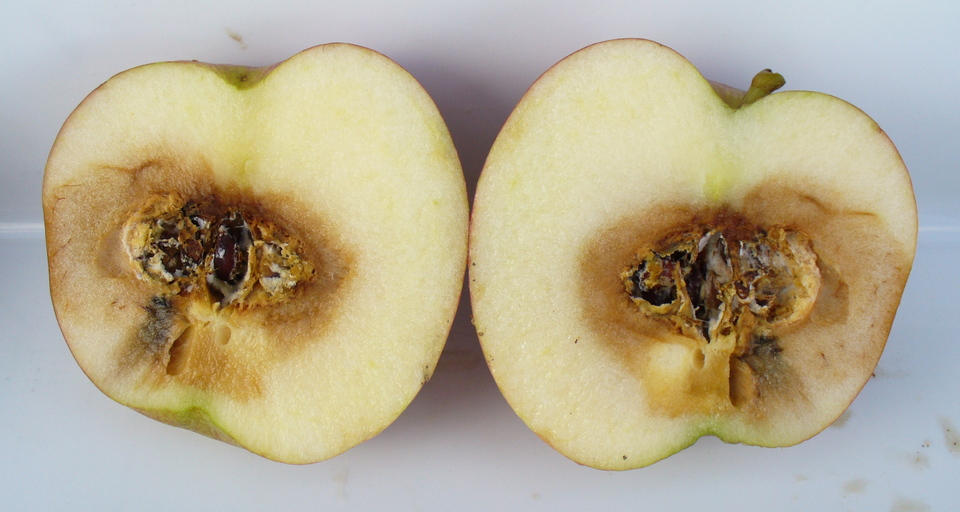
<point>612,150</point>
<point>345,151</point>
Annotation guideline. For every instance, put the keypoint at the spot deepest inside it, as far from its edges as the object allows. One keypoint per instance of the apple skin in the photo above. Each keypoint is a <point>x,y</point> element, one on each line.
<point>346,153</point>
<point>623,145</point>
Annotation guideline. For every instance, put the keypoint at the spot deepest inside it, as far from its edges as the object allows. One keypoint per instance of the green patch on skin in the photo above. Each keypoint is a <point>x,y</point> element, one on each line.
<point>198,420</point>
<point>241,77</point>
<point>194,418</point>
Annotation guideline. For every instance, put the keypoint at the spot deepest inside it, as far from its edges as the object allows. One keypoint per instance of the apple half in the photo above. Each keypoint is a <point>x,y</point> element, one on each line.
<point>271,257</point>
<point>655,258</point>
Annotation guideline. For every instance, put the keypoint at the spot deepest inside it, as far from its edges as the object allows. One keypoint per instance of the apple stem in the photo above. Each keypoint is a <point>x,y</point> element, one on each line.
<point>764,83</point>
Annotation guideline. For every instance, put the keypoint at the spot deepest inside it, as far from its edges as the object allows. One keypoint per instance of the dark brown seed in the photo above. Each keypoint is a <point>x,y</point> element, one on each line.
<point>225,256</point>
<point>193,251</point>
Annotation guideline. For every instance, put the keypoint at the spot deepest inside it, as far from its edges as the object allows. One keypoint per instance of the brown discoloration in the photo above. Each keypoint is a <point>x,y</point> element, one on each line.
<point>613,316</point>
<point>856,486</point>
<point>832,286</point>
<point>86,268</point>
<point>951,436</point>
<point>909,505</point>
<point>604,303</point>
<point>854,249</point>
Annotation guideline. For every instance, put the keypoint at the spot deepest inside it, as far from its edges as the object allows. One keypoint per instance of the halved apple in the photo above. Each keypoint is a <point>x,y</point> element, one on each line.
<point>271,257</point>
<point>655,259</point>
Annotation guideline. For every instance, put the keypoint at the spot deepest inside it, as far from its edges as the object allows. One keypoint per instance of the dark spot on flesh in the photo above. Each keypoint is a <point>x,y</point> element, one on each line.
<point>762,354</point>
<point>764,345</point>
<point>159,325</point>
<point>664,292</point>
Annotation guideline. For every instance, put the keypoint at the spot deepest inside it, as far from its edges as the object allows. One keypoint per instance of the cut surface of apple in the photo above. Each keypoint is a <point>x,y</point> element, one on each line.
<point>654,259</point>
<point>271,257</point>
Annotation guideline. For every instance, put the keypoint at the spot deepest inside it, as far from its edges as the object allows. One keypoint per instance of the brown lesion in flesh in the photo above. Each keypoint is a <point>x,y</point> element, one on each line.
<point>208,263</point>
<point>727,287</point>
<point>246,279</point>
<point>184,330</point>
<point>176,344</point>
<point>718,309</point>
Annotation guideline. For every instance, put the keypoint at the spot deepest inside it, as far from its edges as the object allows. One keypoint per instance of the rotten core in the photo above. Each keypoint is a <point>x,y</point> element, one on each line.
<point>717,283</point>
<point>232,256</point>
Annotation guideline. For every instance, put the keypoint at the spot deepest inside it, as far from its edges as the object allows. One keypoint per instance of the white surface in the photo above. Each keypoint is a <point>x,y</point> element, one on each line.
<point>65,446</point>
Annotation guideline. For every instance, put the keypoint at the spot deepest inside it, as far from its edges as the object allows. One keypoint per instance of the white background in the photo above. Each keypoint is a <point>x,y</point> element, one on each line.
<point>64,446</point>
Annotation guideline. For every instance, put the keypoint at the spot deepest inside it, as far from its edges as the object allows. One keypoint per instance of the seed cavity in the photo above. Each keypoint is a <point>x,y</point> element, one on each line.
<point>222,334</point>
<point>179,351</point>
<point>230,262</point>
<point>226,255</point>
<point>721,283</point>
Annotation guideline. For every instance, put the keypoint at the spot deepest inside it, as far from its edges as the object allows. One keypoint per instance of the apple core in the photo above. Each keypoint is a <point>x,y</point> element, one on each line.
<point>229,256</point>
<point>729,287</point>
<point>719,280</point>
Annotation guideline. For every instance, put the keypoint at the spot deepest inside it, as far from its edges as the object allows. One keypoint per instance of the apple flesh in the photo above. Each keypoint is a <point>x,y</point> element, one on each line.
<point>271,257</point>
<point>654,258</point>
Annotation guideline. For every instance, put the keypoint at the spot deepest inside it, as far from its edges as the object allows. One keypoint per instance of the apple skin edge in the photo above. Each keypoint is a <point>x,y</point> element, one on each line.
<point>101,306</point>
<point>539,366</point>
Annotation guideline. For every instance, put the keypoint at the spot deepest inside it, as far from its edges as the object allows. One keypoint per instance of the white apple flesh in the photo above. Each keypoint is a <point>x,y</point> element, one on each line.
<point>623,197</point>
<point>325,210</point>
